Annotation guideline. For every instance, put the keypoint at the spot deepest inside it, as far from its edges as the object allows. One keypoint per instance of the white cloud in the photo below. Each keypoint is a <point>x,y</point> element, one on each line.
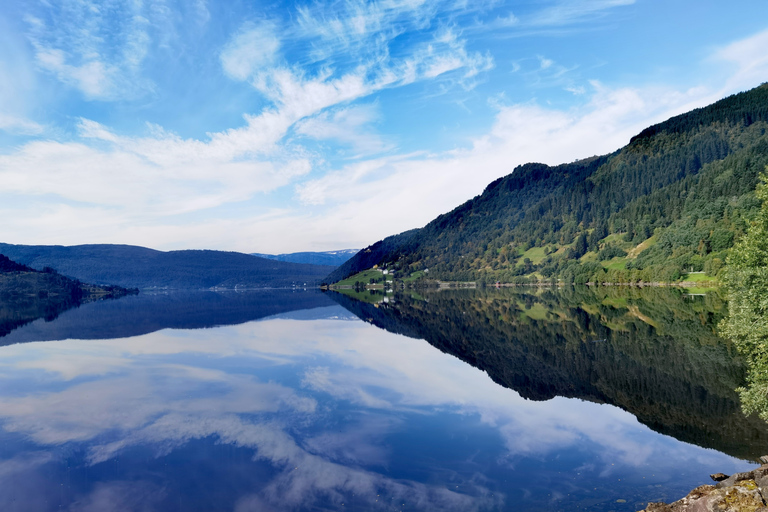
<point>349,126</point>
<point>253,48</point>
<point>136,182</point>
<point>750,59</point>
<point>424,186</point>
<point>19,125</point>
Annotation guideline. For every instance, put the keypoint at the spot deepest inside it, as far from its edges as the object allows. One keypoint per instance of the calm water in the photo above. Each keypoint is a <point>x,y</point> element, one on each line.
<point>475,400</point>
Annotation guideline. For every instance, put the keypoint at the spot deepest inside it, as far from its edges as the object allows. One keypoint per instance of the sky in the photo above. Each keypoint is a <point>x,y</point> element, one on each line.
<point>278,127</point>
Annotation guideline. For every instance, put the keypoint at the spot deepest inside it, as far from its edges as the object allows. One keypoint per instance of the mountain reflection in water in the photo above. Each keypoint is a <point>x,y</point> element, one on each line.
<point>136,407</point>
<point>651,351</point>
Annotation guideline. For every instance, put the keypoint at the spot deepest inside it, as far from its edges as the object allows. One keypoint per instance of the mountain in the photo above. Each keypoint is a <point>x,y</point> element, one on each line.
<point>651,351</point>
<point>671,202</point>
<point>27,294</point>
<point>334,258</point>
<point>139,267</point>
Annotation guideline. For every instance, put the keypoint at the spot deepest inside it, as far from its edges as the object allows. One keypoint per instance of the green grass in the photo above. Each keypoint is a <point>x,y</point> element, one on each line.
<point>616,239</point>
<point>616,263</point>
<point>537,312</point>
<point>635,251</point>
<point>616,302</point>
<point>698,278</point>
<point>535,254</point>
<point>362,277</point>
<point>699,289</point>
<point>414,276</point>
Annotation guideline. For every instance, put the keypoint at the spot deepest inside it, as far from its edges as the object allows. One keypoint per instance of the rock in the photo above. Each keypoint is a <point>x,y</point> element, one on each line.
<point>736,477</point>
<point>742,496</point>
<point>658,507</point>
<point>718,477</point>
<point>764,459</point>
<point>762,484</point>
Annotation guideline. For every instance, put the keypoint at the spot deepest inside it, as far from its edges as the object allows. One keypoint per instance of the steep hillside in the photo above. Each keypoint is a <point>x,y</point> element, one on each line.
<point>673,201</point>
<point>139,267</point>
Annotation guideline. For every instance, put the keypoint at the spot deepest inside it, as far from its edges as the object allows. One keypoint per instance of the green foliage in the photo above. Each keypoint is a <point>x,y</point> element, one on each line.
<point>688,184</point>
<point>746,279</point>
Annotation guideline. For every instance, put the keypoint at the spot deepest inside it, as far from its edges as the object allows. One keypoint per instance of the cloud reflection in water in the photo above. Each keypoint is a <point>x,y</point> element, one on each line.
<point>328,406</point>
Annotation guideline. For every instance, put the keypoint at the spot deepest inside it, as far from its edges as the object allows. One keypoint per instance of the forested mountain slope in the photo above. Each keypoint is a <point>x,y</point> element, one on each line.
<point>674,200</point>
<point>139,267</point>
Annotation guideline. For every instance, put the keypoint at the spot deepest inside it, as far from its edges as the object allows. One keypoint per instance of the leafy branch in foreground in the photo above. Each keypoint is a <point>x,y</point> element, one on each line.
<point>746,281</point>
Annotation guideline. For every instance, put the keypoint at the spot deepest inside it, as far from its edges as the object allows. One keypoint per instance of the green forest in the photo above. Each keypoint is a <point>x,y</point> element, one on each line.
<point>667,207</point>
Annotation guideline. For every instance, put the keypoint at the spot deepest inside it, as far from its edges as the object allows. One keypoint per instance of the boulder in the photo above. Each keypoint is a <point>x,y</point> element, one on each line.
<point>742,495</point>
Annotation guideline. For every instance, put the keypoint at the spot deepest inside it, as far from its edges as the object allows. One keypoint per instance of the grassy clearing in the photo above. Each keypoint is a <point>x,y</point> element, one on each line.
<point>414,276</point>
<point>635,311</point>
<point>616,239</point>
<point>616,263</point>
<point>363,277</point>
<point>616,302</point>
<point>635,251</point>
<point>696,290</point>
<point>590,256</point>
<point>698,278</point>
<point>592,309</point>
<point>535,254</point>
<point>536,312</point>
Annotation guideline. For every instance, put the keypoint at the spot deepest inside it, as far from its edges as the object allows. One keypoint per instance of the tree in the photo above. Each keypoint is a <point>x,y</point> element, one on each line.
<point>746,280</point>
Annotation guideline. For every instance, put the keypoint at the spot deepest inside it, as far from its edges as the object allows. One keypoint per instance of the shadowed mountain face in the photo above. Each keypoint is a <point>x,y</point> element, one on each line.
<point>27,294</point>
<point>652,352</point>
<point>139,267</point>
<point>146,313</point>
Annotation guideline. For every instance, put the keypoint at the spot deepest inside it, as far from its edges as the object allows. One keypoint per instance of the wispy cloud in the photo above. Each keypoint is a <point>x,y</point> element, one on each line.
<point>252,49</point>
<point>99,49</point>
<point>564,12</point>
<point>750,60</point>
<point>350,126</point>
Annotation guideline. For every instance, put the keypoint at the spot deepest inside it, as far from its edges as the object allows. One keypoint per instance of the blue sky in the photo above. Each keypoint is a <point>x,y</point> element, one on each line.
<point>289,126</point>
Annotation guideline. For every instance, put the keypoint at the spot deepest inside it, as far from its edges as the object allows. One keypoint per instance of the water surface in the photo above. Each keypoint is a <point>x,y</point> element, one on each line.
<point>473,400</point>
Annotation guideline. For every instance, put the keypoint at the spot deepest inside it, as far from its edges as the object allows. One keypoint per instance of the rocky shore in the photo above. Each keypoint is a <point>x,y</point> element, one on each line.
<point>741,492</point>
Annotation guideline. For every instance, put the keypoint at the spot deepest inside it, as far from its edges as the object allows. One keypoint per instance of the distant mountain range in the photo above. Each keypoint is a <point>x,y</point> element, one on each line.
<point>671,202</point>
<point>334,258</point>
<point>140,267</point>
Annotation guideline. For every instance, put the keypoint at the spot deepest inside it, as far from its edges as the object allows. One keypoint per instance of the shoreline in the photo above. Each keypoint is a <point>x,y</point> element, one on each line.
<point>740,492</point>
<point>539,284</point>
